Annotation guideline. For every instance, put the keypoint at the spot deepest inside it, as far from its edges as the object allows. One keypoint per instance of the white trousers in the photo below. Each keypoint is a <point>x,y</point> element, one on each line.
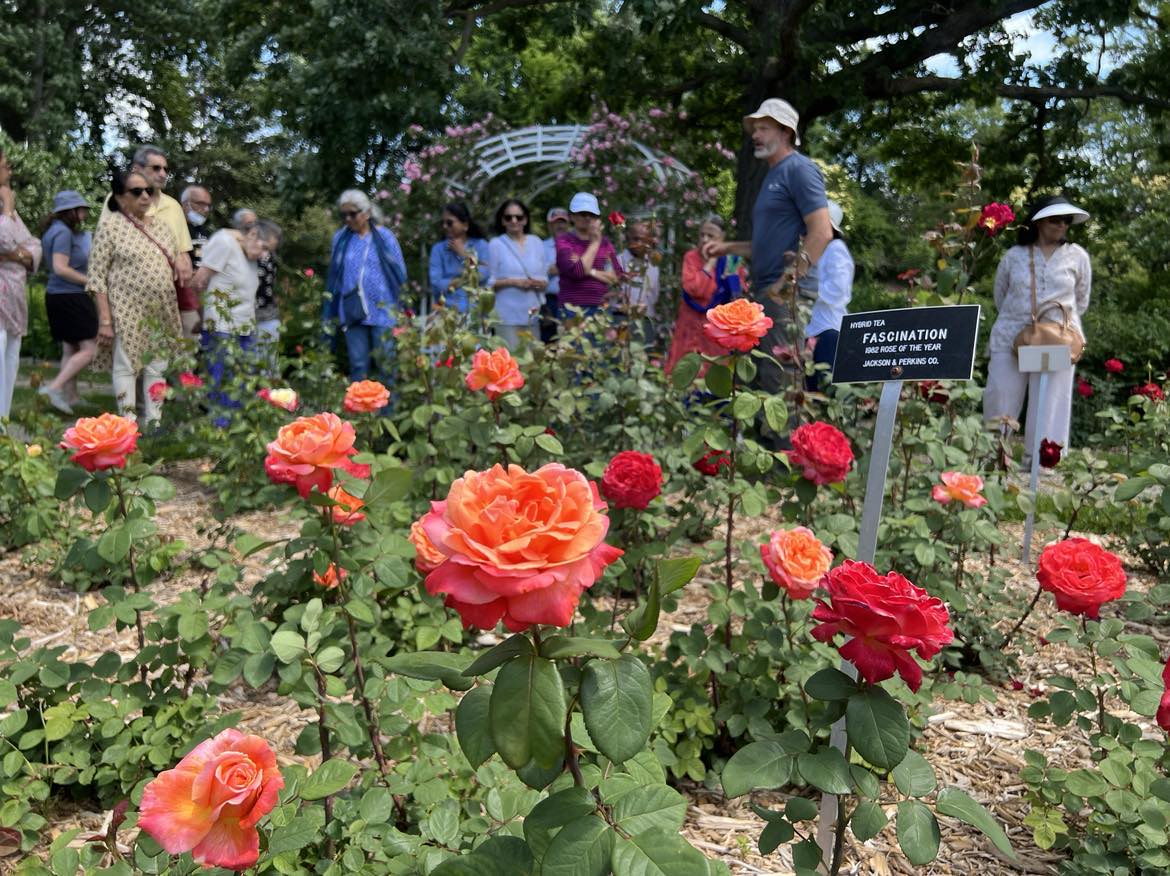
<point>126,391</point>
<point>1006,388</point>
<point>9,363</point>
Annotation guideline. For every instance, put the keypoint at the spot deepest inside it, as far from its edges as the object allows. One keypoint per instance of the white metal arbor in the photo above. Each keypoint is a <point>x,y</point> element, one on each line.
<point>553,146</point>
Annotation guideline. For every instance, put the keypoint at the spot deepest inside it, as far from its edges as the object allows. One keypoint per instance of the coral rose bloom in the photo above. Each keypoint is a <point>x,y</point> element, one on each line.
<point>366,397</point>
<point>886,617</point>
<point>959,487</point>
<point>631,480</point>
<point>1081,575</point>
<point>427,557</point>
<point>307,450</point>
<point>210,803</point>
<point>495,373</point>
<point>101,442</point>
<point>517,545</point>
<point>737,325</point>
<point>347,511</point>
<point>332,577</point>
<point>190,380</point>
<point>796,560</point>
<point>821,452</point>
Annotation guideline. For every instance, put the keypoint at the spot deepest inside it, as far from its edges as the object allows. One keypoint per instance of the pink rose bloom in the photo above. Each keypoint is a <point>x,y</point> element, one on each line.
<point>190,381</point>
<point>796,560</point>
<point>158,391</point>
<point>959,487</point>
<point>310,273</point>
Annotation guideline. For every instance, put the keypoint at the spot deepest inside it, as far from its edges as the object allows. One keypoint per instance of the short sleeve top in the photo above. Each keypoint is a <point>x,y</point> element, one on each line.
<point>60,238</point>
<point>792,189</point>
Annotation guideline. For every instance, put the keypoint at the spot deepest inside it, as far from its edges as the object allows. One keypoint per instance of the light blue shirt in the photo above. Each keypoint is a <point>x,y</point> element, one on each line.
<point>446,265</point>
<point>506,260</point>
<point>550,259</point>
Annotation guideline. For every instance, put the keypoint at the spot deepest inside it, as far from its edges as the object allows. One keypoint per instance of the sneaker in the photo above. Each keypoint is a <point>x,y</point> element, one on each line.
<point>56,399</point>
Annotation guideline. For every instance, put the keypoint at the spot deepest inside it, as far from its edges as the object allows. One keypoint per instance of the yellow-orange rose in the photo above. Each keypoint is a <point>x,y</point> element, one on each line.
<point>347,511</point>
<point>101,442</point>
<point>366,396</point>
<point>307,450</point>
<point>495,373</point>
<point>737,325</point>
<point>517,545</point>
<point>959,487</point>
<point>796,560</point>
<point>426,556</point>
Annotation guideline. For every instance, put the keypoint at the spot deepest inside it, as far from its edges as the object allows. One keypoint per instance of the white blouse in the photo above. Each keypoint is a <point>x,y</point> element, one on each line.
<point>834,289</point>
<point>1066,277</point>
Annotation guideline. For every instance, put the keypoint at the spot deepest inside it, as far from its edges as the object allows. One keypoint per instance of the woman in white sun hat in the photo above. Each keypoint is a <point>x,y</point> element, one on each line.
<point>1062,275</point>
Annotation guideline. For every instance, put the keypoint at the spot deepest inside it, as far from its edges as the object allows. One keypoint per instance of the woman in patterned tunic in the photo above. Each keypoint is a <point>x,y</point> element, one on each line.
<point>131,277</point>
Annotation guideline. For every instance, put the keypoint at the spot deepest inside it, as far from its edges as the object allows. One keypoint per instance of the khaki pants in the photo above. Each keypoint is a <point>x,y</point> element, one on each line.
<point>125,389</point>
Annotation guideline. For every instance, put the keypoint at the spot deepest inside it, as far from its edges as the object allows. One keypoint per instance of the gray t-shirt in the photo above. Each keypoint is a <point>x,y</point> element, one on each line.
<point>791,190</point>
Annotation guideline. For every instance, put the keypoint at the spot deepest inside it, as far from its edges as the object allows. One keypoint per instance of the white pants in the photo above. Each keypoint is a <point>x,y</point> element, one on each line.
<point>268,345</point>
<point>1004,396</point>
<point>509,335</point>
<point>126,391</point>
<point>9,363</point>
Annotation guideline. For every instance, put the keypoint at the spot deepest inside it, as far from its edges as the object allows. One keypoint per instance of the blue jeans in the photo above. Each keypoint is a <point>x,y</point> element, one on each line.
<point>216,347</point>
<point>823,354</point>
<point>364,341</point>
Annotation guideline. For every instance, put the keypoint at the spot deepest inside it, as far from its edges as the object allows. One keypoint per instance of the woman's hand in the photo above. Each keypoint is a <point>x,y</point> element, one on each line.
<point>712,249</point>
<point>105,329</point>
<point>458,246</point>
<point>607,277</point>
<point>594,232</point>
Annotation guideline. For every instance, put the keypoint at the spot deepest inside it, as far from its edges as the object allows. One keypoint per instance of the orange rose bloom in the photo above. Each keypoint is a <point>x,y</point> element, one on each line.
<point>959,487</point>
<point>426,556</point>
<point>519,546</point>
<point>101,442</point>
<point>495,372</point>
<point>737,325</point>
<point>347,511</point>
<point>332,577</point>
<point>796,560</point>
<point>366,397</point>
<point>307,450</point>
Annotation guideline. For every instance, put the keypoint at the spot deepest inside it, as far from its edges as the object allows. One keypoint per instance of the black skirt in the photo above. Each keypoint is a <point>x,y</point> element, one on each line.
<point>72,316</point>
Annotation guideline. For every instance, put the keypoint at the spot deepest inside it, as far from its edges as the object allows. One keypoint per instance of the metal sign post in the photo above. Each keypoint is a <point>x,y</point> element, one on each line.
<point>1045,360</point>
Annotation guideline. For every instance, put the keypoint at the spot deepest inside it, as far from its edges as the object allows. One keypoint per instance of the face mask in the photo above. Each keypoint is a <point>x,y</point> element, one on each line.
<point>195,219</point>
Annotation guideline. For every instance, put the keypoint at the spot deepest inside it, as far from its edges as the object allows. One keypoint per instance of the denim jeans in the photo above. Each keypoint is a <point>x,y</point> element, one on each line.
<point>216,349</point>
<point>364,341</point>
<point>823,354</point>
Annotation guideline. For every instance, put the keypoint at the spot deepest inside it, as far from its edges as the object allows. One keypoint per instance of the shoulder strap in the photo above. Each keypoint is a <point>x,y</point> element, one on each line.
<point>148,236</point>
<point>1032,270</point>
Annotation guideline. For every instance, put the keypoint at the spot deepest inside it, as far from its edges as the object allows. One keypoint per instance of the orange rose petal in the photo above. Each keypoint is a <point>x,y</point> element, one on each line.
<point>230,845</point>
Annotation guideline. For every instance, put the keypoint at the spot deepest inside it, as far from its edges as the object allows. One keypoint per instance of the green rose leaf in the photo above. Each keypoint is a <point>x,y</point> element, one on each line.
<point>674,573</point>
<point>330,659</point>
<point>527,712</point>
<point>867,820</point>
<point>914,776</point>
<point>559,647</point>
<point>287,645</point>
<point>327,779</point>
<point>745,406</point>
<point>685,371</point>
<point>826,770</point>
<point>830,685</point>
<point>878,727</point>
<point>583,847</point>
<point>959,804</point>
<point>69,481</point>
<point>1132,488</point>
<point>513,646</point>
<point>97,495</point>
<point>649,807</point>
<point>719,380</point>
<point>617,698</point>
<point>389,485</point>
<point>775,413</point>
<point>657,853</point>
<point>801,809</point>
<point>774,835</point>
<point>553,812</point>
<point>918,833</point>
<point>471,725</point>
<point>432,666</point>
<point>643,621</point>
<point>550,444</point>
<point>756,766</point>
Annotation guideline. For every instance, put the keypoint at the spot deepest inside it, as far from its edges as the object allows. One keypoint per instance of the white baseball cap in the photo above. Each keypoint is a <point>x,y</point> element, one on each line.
<point>836,216</point>
<point>583,202</point>
<point>779,111</point>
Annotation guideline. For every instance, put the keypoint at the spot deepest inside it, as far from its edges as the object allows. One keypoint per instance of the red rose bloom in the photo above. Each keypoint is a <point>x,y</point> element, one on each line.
<point>994,218</point>
<point>1114,366</point>
<point>886,617</point>
<point>1049,453</point>
<point>190,380</point>
<point>1081,575</point>
<point>712,461</point>
<point>933,391</point>
<point>1151,391</point>
<point>631,480</point>
<point>617,220</point>
<point>1163,716</point>
<point>822,452</point>
<point>1084,388</point>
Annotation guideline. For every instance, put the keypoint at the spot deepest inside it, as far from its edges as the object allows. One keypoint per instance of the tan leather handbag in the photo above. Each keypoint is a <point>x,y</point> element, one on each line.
<point>1048,333</point>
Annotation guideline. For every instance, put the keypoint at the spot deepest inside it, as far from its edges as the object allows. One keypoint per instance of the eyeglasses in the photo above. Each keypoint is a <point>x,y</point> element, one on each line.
<point>350,214</point>
<point>514,217</point>
<point>139,191</point>
<point>158,168</point>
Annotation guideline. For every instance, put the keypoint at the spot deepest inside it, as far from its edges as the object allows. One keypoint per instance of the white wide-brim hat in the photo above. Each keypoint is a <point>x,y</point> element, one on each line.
<point>1060,207</point>
<point>780,111</point>
<point>836,216</point>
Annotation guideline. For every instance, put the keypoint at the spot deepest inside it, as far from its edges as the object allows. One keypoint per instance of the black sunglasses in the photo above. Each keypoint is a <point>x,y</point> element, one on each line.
<point>350,214</point>
<point>1063,220</point>
<point>138,191</point>
<point>514,217</point>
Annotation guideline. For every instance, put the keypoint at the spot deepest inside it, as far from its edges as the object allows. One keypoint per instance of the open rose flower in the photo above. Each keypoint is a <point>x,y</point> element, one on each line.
<point>210,803</point>
<point>711,462</point>
<point>1163,716</point>
<point>617,220</point>
<point>933,392</point>
<point>495,373</point>
<point>190,380</point>
<point>1049,453</point>
<point>347,511</point>
<point>796,560</point>
<point>631,480</point>
<point>158,391</point>
<point>994,218</point>
<point>1084,388</point>
<point>426,556</point>
<point>366,397</point>
<point>310,273</point>
<point>307,450</point>
<point>959,487</point>
<point>1114,366</point>
<point>359,470</point>
<point>332,577</point>
<point>821,452</point>
<point>885,617</point>
<point>1081,575</point>
<point>283,398</point>
<point>101,442</point>
<point>517,545</point>
<point>737,325</point>
<point>1151,391</point>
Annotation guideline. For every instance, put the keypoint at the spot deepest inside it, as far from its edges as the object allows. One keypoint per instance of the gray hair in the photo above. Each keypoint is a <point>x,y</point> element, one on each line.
<point>142,154</point>
<point>716,220</point>
<point>269,231</point>
<point>359,199</point>
<point>186,195</point>
<point>238,217</point>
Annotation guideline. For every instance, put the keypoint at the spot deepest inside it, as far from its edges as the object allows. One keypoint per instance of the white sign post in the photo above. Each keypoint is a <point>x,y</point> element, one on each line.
<point>1045,360</point>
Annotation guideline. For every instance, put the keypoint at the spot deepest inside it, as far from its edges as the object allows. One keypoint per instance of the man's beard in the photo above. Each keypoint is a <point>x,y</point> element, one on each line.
<point>765,151</point>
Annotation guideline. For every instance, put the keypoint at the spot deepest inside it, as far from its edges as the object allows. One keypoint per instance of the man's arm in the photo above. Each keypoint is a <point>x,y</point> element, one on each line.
<point>820,232</point>
<point>741,248</point>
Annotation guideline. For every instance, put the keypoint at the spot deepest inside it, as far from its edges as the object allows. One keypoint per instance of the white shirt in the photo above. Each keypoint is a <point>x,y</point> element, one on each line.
<point>507,260</point>
<point>642,281</point>
<point>1065,277</point>
<point>835,288</point>
<point>229,305</point>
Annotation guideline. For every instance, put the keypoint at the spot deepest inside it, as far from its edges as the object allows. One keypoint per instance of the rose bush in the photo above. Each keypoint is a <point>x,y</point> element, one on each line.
<point>1082,576</point>
<point>631,480</point>
<point>517,545</point>
<point>737,325</point>
<point>211,802</point>
<point>822,453</point>
<point>797,560</point>
<point>101,442</point>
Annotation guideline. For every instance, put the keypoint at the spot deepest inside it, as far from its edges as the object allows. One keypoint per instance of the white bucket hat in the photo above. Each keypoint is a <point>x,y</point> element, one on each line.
<point>779,111</point>
<point>1060,206</point>
<point>583,202</point>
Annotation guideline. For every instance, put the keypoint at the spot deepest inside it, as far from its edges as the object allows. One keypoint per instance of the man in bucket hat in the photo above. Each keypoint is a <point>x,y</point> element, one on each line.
<point>791,204</point>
